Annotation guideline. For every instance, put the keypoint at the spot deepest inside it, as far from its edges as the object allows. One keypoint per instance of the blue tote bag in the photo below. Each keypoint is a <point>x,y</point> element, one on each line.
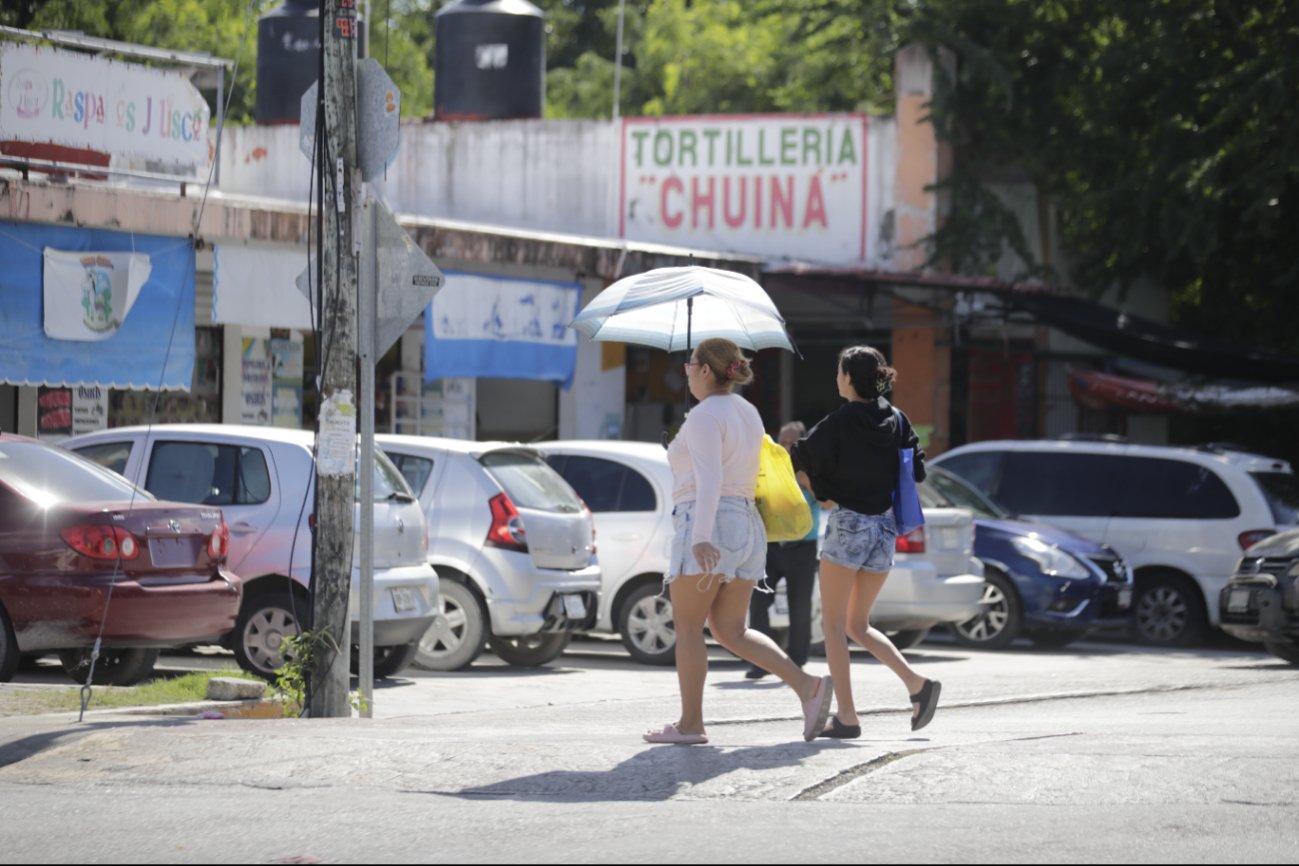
<point>906,500</point>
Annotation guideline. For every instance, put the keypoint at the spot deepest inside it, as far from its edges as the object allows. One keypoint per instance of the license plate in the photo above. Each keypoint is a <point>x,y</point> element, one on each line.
<point>171,552</point>
<point>574,607</point>
<point>1125,597</point>
<point>405,599</point>
<point>1238,600</point>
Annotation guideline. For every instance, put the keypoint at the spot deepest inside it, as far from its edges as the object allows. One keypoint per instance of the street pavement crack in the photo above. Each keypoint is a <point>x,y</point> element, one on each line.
<point>851,774</point>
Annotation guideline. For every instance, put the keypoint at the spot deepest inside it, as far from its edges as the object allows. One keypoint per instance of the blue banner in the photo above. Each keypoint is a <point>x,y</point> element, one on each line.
<point>146,342</point>
<point>498,327</point>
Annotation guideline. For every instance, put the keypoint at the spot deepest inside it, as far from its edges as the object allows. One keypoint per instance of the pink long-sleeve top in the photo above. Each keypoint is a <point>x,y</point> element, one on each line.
<point>715,454</point>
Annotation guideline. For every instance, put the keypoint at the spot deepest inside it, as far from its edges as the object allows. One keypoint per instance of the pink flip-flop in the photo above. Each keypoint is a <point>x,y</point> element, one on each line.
<point>816,709</point>
<point>669,734</point>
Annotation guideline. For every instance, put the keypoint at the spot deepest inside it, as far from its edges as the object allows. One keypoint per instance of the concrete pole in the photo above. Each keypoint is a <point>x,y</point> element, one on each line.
<point>336,450</point>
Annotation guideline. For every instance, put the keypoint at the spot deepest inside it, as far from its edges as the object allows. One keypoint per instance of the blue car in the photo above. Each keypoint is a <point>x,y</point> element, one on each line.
<point>1042,583</point>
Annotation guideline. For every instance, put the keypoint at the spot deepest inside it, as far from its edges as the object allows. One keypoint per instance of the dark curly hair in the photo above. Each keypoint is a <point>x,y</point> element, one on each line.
<point>868,371</point>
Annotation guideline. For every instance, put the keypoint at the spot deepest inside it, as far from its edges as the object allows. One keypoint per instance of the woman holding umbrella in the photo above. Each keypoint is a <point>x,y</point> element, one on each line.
<point>719,545</point>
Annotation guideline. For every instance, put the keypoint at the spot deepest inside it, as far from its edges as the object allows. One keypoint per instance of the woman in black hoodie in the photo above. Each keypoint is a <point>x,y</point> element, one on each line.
<point>851,458</point>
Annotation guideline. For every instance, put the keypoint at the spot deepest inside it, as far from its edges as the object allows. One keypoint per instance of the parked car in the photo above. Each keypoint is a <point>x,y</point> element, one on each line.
<point>85,555</point>
<point>514,544</point>
<point>629,488</point>
<point>1044,583</point>
<point>264,479</point>
<point>1179,516</point>
<point>1260,603</point>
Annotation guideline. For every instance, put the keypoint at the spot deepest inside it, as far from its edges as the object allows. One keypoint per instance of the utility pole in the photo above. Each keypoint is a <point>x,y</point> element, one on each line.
<point>336,426</point>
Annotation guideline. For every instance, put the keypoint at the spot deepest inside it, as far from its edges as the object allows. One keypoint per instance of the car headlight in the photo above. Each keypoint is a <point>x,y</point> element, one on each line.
<point>1052,560</point>
<point>1294,569</point>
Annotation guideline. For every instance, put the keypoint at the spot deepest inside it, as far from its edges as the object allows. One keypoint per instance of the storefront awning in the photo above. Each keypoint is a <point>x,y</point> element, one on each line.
<point>1101,391</point>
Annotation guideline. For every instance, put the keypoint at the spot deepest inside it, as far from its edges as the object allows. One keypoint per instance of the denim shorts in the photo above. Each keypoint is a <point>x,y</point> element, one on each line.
<point>862,542</point>
<point>738,533</point>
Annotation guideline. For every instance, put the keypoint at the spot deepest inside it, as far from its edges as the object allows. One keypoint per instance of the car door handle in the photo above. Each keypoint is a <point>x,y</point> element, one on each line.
<point>243,527</point>
<point>632,537</point>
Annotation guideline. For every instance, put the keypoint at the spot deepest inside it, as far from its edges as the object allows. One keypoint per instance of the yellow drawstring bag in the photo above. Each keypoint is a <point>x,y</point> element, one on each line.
<point>779,498</point>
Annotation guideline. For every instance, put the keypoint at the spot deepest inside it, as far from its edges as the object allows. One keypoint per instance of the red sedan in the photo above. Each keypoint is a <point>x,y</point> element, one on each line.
<point>85,555</point>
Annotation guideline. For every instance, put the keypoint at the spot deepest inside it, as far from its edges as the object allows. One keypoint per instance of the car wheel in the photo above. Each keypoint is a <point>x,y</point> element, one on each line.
<point>531,650</point>
<point>264,623</point>
<point>646,626</point>
<point>8,649</point>
<point>907,639</point>
<point>115,667</point>
<point>1286,651</point>
<point>1167,611</point>
<point>455,638</point>
<point>392,660</point>
<point>1000,620</point>
<point>1055,639</point>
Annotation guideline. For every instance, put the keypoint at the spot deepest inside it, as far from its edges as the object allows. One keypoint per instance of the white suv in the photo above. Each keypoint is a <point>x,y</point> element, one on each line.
<point>264,480</point>
<point>513,543</point>
<point>1179,516</point>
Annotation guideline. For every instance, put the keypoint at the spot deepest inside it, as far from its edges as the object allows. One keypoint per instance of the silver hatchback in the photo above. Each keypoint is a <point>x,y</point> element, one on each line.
<point>514,545</point>
<point>264,479</point>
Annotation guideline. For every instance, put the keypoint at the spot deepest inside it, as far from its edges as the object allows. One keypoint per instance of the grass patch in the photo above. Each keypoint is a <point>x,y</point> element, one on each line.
<point>184,689</point>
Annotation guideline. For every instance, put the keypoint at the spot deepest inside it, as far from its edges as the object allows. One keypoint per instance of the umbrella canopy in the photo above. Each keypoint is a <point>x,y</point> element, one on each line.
<point>675,308</point>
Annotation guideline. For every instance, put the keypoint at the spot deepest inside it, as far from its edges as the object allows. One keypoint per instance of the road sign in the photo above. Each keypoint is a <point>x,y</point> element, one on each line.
<point>307,120</point>
<point>407,278</point>
<point>378,118</point>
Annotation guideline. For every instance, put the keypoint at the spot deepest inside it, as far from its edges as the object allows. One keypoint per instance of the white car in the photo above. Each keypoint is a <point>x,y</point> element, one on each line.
<point>628,486</point>
<point>1179,516</point>
<point>513,543</point>
<point>263,478</point>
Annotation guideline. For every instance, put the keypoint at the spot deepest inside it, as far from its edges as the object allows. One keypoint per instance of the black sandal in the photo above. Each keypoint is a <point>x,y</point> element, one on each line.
<point>927,698</point>
<point>837,730</point>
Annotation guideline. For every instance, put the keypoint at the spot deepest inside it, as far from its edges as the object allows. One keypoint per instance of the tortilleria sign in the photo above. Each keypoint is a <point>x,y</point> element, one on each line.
<point>48,96</point>
<point>776,185</point>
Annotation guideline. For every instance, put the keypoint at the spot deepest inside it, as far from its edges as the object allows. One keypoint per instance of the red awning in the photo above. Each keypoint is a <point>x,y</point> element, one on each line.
<point>1102,391</point>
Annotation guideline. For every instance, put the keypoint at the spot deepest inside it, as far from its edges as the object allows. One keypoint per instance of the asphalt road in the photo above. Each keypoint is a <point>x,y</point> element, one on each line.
<point>1099,752</point>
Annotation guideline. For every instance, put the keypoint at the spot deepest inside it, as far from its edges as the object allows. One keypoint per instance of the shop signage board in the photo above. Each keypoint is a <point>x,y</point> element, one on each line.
<point>771,185</point>
<point>129,111</point>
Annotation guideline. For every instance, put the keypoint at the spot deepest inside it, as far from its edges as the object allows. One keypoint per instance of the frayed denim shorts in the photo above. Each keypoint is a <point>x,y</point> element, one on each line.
<point>862,542</point>
<point>738,532</point>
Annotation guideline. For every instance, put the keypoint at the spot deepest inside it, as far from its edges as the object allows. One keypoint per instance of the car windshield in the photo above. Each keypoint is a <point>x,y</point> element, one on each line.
<point>530,482</point>
<point>1281,489</point>
<point>964,495</point>
<point>49,475</point>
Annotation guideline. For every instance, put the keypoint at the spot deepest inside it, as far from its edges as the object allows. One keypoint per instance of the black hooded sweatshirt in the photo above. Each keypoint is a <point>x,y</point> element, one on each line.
<point>851,456</point>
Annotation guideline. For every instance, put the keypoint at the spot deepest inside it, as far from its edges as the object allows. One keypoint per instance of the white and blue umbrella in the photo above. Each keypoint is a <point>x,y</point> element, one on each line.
<point>675,308</point>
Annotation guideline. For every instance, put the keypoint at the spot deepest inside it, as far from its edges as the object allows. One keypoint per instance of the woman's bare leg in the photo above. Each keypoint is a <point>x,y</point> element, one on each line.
<point>692,595</point>
<point>866,588</point>
<point>837,583</point>
<point>726,620</point>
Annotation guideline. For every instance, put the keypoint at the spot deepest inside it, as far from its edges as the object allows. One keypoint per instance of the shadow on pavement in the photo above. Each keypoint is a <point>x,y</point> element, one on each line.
<point>21,749</point>
<point>657,773</point>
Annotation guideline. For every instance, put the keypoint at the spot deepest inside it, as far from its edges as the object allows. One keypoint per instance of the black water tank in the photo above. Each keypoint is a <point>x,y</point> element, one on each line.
<point>490,62</point>
<point>288,59</point>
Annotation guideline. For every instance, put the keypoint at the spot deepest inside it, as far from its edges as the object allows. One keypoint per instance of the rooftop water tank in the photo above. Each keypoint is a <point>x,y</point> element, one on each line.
<point>490,61</point>
<point>288,59</point>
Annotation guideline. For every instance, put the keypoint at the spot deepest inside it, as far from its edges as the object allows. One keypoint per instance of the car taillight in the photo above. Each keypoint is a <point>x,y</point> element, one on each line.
<point>102,542</point>
<point>219,544</point>
<point>1246,540</point>
<point>590,514</point>
<point>913,543</point>
<point>507,526</point>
